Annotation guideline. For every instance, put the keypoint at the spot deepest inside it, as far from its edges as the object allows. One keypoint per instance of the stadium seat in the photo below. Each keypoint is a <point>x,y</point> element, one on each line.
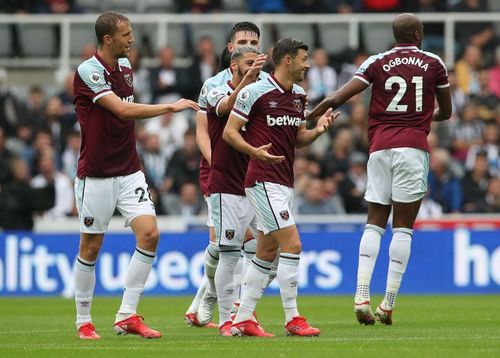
<point>334,37</point>
<point>494,5</point>
<point>156,6</point>
<point>38,40</point>
<point>377,37</point>
<point>81,34</point>
<point>303,32</point>
<point>237,6</point>
<point>122,6</point>
<point>92,6</point>
<point>6,40</point>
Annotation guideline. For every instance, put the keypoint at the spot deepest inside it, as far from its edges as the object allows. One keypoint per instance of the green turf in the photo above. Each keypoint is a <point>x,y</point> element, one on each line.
<point>424,326</point>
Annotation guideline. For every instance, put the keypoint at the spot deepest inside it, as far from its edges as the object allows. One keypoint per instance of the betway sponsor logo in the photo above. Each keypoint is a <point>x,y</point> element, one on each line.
<point>285,120</point>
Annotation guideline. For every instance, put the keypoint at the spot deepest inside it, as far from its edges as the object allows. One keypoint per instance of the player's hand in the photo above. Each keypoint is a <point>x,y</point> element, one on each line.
<point>253,73</point>
<point>326,121</point>
<point>262,154</point>
<point>183,104</point>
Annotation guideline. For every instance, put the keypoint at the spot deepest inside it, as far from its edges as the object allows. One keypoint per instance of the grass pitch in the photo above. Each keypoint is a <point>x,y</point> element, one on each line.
<point>424,326</point>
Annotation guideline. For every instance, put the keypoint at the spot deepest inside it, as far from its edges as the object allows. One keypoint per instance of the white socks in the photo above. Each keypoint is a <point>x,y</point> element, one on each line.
<point>399,254</point>
<point>211,262</point>
<point>249,248</point>
<point>193,308</point>
<point>255,283</point>
<point>137,274</point>
<point>368,252</point>
<point>224,282</point>
<point>288,273</point>
<point>84,276</point>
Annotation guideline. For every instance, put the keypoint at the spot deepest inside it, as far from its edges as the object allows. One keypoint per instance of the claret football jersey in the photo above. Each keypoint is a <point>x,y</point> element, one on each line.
<point>108,146</point>
<point>404,81</point>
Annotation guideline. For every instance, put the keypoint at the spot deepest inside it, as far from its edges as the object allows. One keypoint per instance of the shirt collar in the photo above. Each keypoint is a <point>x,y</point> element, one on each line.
<point>105,65</point>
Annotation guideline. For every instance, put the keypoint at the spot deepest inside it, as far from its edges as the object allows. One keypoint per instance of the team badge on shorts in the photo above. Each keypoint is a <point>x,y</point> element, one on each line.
<point>88,221</point>
<point>285,215</point>
<point>229,234</point>
<point>128,78</point>
<point>297,103</point>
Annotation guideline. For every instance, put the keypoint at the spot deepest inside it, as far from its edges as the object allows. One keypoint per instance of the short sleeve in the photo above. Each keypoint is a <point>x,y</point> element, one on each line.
<point>244,103</point>
<point>365,71</point>
<point>441,75</point>
<point>202,98</point>
<point>215,96</point>
<point>94,85</point>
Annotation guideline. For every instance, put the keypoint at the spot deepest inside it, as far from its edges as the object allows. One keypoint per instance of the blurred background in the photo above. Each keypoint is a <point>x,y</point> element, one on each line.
<point>178,46</point>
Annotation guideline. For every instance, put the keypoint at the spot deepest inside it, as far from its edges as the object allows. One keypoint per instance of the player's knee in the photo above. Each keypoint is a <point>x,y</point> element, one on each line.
<point>149,239</point>
<point>293,247</point>
<point>89,251</point>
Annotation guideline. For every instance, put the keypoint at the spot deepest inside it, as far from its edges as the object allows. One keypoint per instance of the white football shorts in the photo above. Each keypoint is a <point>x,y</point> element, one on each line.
<point>273,204</point>
<point>397,175</point>
<point>232,215</point>
<point>97,198</point>
<point>210,222</point>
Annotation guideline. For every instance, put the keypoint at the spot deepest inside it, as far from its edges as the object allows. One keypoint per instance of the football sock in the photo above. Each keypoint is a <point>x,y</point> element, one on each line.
<point>211,262</point>
<point>399,254</point>
<point>224,282</point>
<point>249,249</point>
<point>274,269</point>
<point>368,252</point>
<point>193,308</point>
<point>237,275</point>
<point>84,276</point>
<point>137,274</point>
<point>255,283</point>
<point>288,274</point>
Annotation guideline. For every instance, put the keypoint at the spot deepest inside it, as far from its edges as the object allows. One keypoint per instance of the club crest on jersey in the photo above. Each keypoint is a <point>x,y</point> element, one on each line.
<point>128,78</point>
<point>88,221</point>
<point>297,103</point>
<point>285,215</point>
<point>229,234</point>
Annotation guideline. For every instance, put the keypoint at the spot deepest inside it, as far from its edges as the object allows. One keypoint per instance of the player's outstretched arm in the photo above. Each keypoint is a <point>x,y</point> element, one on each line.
<point>337,98</point>
<point>130,111</point>
<point>233,137</point>
<point>306,137</point>
<point>443,112</point>
<point>226,104</point>
<point>202,136</point>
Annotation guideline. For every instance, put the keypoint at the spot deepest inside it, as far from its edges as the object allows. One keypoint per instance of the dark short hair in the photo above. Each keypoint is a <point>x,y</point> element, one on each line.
<point>244,26</point>
<point>287,46</point>
<point>106,24</point>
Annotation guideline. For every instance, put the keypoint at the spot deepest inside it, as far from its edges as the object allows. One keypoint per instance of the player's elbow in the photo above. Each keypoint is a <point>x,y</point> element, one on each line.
<point>227,135</point>
<point>123,113</point>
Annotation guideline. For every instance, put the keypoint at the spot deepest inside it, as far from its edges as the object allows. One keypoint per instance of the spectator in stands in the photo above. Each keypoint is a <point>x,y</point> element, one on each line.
<point>336,160</point>
<point>475,183</point>
<point>170,128</point>
<point>467,70</point>
<point>166,80</point>
<point>142,89</point>
<point>314,202</point>
<point>466,132</point>
<point>352,188</point>
<point>183,167</point>
<point>88,50</point>
<point>43,143</point>
<point>490,146</point>
<point>359,126</point>
<point>381,5</point>
<point>68,114</point>
<point>154,160</point>
<point>268,6</point>
<point>316,6</point>
<point>19,201</point>
<point>458,97</point>
<point>33,107</point>
<point>187,203</point>
<point>57,6</point>
<point>429,209</point>
<point>443,186</point>
<point>485,101</point>
<point>480,34</point>
<point>10,108</point>
<point>71,154</point>
<point>199,6</point>
<point>205,64</point>
<point>349,68</point>
<point>494,81</point>
<point>64,196</point>
<point>490,203</point>
<point>5,157</point>
<point>321,76</point>
<point>53,122</point>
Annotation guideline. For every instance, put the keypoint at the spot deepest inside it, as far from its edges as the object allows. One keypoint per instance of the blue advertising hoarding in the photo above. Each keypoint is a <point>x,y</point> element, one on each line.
<point>455,260</point>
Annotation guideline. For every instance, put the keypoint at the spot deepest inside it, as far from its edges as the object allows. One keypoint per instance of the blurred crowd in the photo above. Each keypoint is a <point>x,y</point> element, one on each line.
<point>40,137</point>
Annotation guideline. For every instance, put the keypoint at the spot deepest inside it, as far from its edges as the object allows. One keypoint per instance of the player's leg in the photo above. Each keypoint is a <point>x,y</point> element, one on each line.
<point>135,204</point>
<point>378,195</point>
<point>95,203</point>
<point>408,188</point>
